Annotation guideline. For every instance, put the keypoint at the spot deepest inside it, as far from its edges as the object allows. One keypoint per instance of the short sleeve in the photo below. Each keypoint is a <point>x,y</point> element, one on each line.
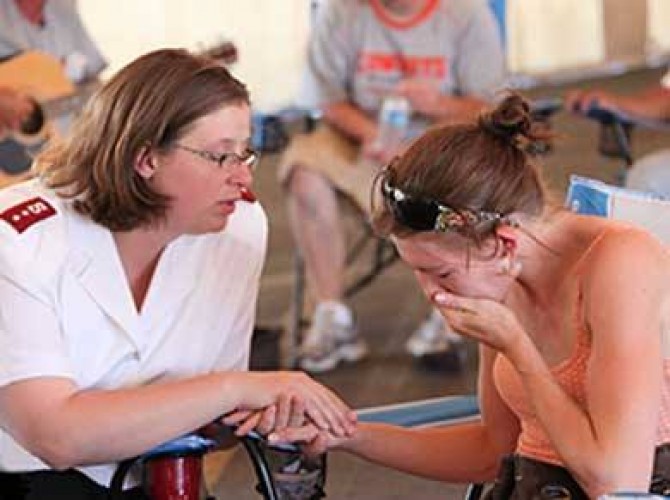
<point>31,344</point>
<point>329,55</point>
<point>480,65</point>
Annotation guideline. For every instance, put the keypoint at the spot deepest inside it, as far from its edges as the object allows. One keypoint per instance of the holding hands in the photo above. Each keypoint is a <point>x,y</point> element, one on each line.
<point>272,401</point>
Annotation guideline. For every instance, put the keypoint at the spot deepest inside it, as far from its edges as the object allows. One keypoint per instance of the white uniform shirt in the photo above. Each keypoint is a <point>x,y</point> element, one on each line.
<point>66,309</point>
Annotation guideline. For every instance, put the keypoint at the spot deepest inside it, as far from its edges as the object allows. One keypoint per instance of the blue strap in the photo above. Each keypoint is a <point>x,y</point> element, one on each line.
<point>429,412</point>
<point>184,445</point>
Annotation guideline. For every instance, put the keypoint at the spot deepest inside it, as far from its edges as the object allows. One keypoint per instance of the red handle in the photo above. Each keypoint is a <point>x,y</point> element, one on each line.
<point>174,478</point>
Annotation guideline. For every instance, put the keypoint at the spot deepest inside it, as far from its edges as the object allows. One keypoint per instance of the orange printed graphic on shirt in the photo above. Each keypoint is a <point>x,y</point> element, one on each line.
<point>412,66</point>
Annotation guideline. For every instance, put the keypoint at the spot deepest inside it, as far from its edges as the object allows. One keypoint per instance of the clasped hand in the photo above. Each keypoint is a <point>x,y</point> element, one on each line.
<point>289,400</point>
<point>317,420</point>
<point>423,94</point>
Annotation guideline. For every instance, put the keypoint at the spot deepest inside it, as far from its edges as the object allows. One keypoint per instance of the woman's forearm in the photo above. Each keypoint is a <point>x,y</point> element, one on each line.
<point>89,427</point>
<point>567,425</point>
<point>459,453</point>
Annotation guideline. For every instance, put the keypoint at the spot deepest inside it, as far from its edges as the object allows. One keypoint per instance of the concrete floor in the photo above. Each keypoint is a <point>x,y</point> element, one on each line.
<point>392,306</point>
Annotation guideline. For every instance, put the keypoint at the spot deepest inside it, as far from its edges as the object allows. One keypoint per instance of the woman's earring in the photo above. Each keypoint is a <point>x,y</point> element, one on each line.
<point>505,265</point>
<point>510,267</point>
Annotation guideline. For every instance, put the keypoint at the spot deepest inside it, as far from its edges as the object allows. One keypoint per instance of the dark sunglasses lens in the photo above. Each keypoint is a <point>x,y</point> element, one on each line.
<point>418,215</point>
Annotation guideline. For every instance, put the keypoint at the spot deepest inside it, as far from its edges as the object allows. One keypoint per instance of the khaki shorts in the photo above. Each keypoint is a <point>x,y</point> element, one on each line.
<point>334,156</point>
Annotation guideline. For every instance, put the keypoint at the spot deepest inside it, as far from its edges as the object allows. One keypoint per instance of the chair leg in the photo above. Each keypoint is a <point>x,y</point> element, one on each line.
<point>474,491</point>
<point>293,339</point>
<point>384,255</point>
<point>266,485</point>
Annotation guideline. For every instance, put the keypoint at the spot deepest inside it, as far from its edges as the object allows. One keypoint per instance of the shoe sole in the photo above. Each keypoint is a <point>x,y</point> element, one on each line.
<point>347,353</point>
<point>418,349</point>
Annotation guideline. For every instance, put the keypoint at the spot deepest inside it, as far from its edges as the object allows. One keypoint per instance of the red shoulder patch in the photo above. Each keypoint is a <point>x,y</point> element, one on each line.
<point>25,214</point>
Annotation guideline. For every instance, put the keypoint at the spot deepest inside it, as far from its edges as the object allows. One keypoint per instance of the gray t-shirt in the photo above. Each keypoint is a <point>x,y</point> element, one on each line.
<point>356,54</point>
<point>62,36</point>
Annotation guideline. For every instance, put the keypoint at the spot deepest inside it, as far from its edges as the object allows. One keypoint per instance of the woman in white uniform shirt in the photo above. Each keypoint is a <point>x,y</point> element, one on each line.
<point>128,280</point>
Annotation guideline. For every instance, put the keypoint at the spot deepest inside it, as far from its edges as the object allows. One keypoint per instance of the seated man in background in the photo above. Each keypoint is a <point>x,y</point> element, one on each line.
<point>54,28</point>
<point>444,59</point>
<point>652,172</point>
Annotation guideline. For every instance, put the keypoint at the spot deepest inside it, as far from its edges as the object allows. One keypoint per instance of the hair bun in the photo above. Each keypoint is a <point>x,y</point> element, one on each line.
<point>509,119</point>
<point>512,121</point>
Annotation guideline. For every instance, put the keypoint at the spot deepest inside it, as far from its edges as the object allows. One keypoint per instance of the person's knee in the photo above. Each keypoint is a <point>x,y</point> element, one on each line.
<point>308,186</point>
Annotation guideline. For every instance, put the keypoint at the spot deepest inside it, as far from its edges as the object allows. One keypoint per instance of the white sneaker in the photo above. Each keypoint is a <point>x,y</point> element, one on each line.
<point>331,339</point>
<point>432,336</point>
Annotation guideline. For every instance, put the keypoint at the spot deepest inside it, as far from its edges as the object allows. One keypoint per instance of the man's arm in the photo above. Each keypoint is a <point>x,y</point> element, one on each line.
<point>351,121</point>
<point>652,102</point>
<point>14,108</point>
<point>426,99</point>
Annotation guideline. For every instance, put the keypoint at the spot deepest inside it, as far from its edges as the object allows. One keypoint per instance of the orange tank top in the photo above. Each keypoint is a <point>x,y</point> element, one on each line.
<point>570,374</point>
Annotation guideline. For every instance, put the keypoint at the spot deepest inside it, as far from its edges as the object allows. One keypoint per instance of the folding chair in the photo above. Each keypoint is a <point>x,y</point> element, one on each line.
<point>616,130</point>
<point>381,254</point>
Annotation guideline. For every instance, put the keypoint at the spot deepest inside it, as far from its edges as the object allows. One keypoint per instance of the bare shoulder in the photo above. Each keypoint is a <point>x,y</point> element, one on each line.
<point>620,244</point>
<point>627,259</point>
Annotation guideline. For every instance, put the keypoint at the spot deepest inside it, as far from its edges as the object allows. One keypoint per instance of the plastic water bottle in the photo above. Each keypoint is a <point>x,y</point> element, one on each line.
<point>393,123</point>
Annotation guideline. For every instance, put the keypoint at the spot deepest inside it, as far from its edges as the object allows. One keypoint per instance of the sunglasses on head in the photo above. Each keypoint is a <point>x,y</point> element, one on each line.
<point>424,214</point>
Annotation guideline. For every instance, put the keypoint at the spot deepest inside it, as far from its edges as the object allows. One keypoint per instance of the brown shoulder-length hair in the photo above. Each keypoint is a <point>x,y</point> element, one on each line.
<point>483,166</point>
<point>148,104</point>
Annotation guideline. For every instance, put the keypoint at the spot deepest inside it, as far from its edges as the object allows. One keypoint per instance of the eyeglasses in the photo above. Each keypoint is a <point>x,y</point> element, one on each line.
<point>424,214</point>
<point>249,158</point>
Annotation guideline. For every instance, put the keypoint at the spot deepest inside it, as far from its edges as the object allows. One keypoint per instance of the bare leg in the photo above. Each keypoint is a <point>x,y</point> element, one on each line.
<point>314,215</point>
